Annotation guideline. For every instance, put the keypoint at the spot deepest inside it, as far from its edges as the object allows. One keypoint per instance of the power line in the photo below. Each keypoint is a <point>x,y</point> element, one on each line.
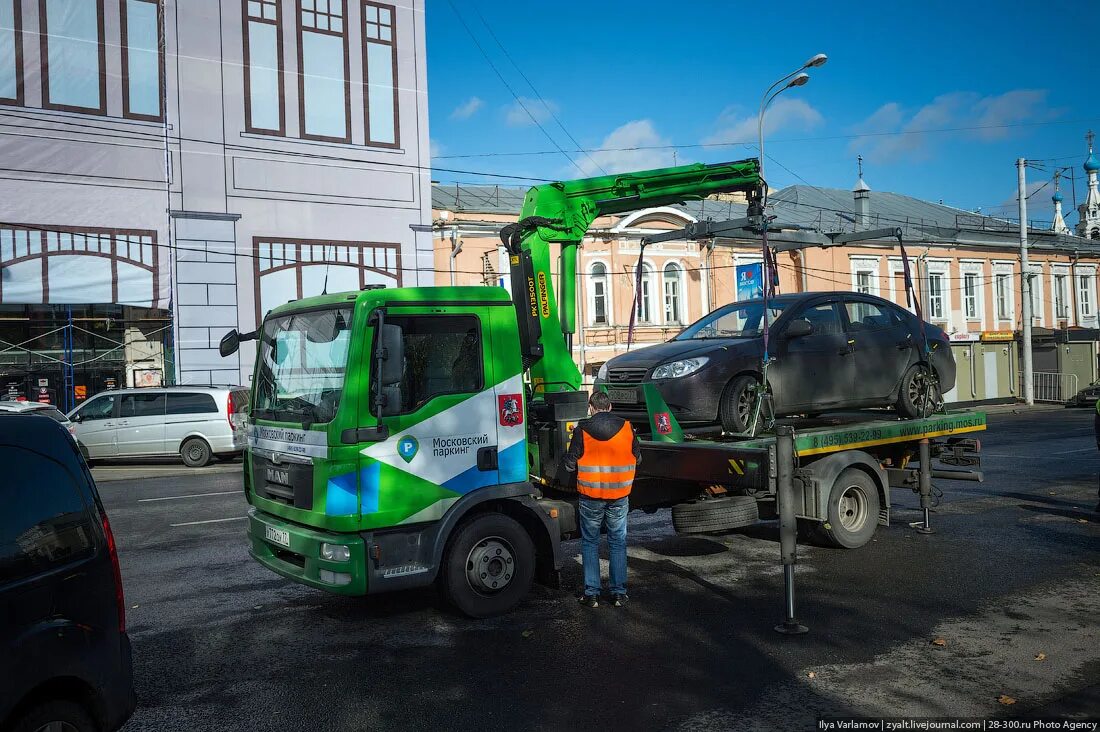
<point>751,143</point>
<point>509,87</point>
<point>158,139</point>
<point>533,89</point>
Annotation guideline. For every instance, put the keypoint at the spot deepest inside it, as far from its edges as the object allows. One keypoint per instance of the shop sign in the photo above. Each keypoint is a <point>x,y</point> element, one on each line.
<point>998,335</point>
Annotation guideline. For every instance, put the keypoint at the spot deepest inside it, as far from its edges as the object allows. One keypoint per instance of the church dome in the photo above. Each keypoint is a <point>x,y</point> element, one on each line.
<point>1057,197</point>
<point>1092,164</point>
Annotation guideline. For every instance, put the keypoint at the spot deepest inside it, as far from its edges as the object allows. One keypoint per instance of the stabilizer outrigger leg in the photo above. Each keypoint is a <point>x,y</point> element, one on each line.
<point>925,527</point>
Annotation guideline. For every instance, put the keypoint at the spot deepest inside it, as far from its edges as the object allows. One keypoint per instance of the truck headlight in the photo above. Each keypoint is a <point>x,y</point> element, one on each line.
<point>335,552</point>
<point>676,369</point>
<point>602,373</point>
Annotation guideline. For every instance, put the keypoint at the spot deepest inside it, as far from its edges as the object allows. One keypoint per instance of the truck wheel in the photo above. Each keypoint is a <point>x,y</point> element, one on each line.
<point>195,452</point>
<point>853,510</point>
<point>735,409</point>
<point>715,514</point>
<point>489,566</point>
<point>917,397</point>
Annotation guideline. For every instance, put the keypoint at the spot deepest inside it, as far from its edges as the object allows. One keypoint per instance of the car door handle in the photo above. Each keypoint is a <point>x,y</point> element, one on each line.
<point>850,348</point>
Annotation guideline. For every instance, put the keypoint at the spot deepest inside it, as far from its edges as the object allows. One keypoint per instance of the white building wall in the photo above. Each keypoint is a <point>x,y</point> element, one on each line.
<point>229,187</point>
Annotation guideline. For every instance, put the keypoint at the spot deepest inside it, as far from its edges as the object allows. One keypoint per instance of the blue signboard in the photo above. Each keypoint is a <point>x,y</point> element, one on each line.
<point>750,281</point>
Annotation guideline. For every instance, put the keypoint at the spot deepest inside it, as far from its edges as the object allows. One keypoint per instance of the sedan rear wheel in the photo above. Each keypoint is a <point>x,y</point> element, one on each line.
<point>920,393</point>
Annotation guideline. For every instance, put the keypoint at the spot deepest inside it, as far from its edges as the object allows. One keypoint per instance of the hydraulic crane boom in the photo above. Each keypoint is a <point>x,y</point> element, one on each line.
<point>560,213</point>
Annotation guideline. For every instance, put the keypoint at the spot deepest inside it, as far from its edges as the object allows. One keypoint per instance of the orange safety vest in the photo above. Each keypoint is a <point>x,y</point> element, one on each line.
<point>606,469</point>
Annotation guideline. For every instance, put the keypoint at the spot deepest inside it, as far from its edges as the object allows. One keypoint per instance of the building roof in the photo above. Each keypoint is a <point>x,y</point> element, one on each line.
<point>823,209</point>
<point>497,199</point>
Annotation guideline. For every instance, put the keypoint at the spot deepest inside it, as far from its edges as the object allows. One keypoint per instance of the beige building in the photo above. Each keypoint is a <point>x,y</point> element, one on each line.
<point>966,266</point>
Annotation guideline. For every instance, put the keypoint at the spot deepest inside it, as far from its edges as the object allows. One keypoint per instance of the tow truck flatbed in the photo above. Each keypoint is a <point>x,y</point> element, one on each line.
<point>881,448</point>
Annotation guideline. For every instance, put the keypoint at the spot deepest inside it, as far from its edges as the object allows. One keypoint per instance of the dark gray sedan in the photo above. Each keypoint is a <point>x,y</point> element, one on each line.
<point>829,350</point>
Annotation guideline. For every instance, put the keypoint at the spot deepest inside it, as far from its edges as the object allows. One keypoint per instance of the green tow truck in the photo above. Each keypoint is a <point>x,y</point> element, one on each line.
<point>410,436</point>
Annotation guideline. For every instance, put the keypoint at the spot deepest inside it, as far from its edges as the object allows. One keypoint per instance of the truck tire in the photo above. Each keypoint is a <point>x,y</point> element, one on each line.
<point>735,408</point>
<point>914,399</point>
<point>489,565</point>
<point>853,510</point>
<point>715,514</point>
<point>195,452</point>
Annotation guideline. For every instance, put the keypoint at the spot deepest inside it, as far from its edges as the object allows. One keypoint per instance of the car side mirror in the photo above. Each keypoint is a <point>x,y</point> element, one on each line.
<point>232,340</point>
<point>799,329</point>
<point>76,418</point>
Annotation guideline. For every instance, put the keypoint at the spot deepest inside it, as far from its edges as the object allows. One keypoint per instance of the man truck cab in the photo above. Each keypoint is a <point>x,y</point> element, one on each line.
<point>405,403</point>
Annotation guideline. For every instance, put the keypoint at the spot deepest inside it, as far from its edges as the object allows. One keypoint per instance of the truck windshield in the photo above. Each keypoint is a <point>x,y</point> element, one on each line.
<point>733,321</point>
<point>303,357</point>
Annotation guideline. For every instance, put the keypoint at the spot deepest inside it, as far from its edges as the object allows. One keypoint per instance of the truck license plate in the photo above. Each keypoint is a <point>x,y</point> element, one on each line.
<point>623,395</point>
<point>278,536</point>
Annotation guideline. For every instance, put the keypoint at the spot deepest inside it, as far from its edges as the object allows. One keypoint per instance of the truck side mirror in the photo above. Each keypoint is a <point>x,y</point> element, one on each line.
<point>231,341</point>
<point>391,354</point>
<point>799,329</point>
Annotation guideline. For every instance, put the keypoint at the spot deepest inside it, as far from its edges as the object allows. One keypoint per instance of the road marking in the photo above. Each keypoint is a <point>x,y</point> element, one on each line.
<point>209,521</point>
<point>190,495</point>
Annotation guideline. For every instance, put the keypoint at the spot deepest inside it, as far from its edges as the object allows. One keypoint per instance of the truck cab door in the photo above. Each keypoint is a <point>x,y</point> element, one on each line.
<point>441,419</point>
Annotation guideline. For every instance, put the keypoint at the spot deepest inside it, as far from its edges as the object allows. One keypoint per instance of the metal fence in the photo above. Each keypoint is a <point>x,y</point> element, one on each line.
<point>1054,387</point>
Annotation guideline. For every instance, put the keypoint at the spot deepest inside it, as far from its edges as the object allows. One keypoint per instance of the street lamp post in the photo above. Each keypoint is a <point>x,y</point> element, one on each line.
<point>798,77</point>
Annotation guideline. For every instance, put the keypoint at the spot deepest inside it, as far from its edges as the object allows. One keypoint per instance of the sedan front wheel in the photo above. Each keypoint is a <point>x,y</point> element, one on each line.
<point>735,409</point>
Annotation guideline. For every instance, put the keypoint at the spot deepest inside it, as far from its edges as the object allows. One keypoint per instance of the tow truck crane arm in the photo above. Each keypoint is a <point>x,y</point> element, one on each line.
<point>560,213</point>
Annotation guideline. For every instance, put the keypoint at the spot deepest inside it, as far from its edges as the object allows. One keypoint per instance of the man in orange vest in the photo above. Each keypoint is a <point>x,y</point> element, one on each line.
<point>604,452</point>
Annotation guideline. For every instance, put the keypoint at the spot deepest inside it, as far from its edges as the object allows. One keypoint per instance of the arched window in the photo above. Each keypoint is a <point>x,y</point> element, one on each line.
<point>1095,234</point>
<point>673,293</point>
<point>645,300</point>
<point>598,294</point>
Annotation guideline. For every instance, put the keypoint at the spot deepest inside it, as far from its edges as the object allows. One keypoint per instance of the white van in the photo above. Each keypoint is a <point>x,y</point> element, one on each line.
<point>195,422</point>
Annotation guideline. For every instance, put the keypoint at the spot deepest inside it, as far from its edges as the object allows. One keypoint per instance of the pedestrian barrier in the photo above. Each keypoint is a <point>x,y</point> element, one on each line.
<point>1054,387</point>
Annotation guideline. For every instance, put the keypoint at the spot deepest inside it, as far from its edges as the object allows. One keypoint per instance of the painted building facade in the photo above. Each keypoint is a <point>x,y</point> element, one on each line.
<point>170,170</point>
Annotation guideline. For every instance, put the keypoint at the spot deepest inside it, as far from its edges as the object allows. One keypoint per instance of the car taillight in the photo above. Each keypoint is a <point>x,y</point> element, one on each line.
<point>229,410</point>
<point>120,599</point>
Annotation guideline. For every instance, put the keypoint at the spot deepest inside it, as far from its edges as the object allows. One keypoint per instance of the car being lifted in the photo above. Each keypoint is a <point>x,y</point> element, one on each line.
<point>830,351</point>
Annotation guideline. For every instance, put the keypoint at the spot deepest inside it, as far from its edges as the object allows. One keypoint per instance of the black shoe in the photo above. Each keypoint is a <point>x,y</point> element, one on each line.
<point>590,600</point>
<point>619,600</point>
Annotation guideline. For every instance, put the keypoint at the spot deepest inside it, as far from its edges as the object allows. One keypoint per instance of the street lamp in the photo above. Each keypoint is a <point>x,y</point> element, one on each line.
<point>800,77</point>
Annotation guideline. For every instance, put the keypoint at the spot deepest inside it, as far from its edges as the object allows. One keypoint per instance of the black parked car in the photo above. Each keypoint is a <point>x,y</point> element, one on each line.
<point>830,351</point>
<point>64,652</point>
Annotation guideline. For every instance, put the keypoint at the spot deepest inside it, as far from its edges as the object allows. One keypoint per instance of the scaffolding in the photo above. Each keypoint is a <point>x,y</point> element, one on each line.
<point>70,357</point>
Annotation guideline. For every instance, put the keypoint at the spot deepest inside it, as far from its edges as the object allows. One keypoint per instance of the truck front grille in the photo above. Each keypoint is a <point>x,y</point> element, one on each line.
<point>288,483</point>
<point>626,375</point>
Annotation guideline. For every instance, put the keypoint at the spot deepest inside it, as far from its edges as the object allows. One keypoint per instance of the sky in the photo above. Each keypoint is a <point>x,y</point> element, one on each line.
<point>940,98</point>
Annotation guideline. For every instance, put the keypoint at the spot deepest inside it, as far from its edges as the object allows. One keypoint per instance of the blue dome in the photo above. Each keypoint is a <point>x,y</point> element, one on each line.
<point>1092,164</point>
<point>1057,197</point>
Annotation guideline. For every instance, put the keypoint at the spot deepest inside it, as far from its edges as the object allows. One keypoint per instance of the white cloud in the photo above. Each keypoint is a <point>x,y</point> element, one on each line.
<point>435,149</point>
<point>468,108</point>
<point>736,125</point>
<point>892,132</point>
<point>619,150</point>
<point>520,112</point>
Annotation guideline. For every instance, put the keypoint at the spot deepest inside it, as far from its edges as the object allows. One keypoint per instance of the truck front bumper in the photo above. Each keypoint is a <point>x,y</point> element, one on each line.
<point>294,551</point>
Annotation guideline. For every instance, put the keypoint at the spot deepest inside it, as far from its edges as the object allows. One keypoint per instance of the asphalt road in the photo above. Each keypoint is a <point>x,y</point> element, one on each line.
<point>1013,572</point>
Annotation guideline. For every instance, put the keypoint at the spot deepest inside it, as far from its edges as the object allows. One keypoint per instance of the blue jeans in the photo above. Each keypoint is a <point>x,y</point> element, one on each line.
<point>595,513</point>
